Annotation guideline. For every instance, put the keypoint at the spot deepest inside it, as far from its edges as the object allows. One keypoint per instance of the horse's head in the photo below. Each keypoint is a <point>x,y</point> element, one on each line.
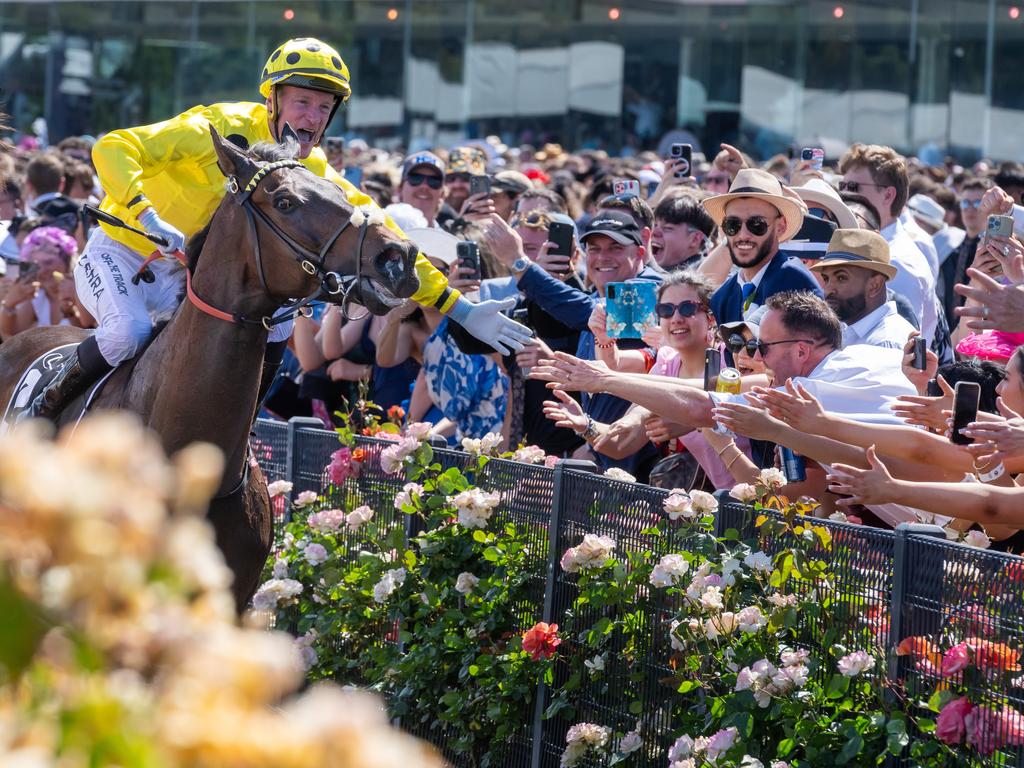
<point>307,233</point>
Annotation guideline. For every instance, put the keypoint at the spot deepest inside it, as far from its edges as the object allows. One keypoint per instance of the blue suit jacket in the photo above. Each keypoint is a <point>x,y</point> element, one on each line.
<point>784,273</point>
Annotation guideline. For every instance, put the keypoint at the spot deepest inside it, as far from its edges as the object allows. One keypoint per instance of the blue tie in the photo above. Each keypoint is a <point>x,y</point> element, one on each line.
<point>748,294</point>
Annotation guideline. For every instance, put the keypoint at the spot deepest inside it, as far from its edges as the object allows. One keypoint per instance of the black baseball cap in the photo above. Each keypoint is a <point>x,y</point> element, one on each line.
<point>617,225</point>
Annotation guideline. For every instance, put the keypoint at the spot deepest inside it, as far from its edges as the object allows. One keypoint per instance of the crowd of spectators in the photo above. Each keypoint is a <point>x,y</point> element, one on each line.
<point>813,282</point>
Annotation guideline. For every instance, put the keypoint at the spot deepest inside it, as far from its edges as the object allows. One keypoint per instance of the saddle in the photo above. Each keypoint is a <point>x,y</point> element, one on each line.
<point>37,377</point>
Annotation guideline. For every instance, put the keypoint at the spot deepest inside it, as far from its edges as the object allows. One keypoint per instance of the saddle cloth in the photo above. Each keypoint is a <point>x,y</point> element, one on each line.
<point>37,377</point>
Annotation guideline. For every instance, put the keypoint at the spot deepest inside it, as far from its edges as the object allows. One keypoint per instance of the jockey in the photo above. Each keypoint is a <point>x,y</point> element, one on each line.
<point>164,179</point>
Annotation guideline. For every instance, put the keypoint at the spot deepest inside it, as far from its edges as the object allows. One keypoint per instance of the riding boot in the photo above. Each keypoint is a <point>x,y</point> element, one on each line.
<point>74,378</point>
<point>272,360</point>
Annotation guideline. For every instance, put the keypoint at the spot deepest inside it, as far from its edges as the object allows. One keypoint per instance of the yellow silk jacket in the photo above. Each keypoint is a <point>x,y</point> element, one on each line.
<point>172,166</point>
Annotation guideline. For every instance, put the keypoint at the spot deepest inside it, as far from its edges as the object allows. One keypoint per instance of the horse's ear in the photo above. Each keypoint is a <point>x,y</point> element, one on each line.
<point>231,160</point>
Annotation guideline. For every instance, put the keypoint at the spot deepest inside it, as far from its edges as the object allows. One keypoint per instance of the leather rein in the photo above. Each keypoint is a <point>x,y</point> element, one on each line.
<point>312,262</point>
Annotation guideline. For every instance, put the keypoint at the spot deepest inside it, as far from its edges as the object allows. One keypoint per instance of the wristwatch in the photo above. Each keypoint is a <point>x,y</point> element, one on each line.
<point>591,431</point>
<point>520,265</point>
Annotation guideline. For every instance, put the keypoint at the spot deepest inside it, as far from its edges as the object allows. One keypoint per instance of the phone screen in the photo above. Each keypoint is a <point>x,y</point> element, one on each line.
<point>480,185</point>
<point>965,409</point>
<point>629,309</point>
<point>561,235</point>
<point>683,153</point>
<point>712,367</point>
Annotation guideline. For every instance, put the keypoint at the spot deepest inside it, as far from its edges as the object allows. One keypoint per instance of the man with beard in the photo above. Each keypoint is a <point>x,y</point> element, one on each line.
<point>854,273</point>
<point>756,217</point>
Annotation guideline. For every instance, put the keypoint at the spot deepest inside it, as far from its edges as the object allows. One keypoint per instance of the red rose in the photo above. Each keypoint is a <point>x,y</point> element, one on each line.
<point>396,413</point>
<point>541,641</point>
<point>951,725</point>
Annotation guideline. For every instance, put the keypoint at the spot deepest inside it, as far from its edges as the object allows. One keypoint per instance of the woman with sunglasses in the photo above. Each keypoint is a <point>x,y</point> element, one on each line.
<point>688,328</point>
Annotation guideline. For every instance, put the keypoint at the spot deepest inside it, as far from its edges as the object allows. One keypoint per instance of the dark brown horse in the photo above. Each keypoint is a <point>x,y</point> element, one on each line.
<point>284,233</point>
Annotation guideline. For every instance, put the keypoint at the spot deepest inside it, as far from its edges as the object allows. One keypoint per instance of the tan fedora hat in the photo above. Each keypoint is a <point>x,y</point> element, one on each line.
<point>817,193</point>
<point>760,185</point>
<point>857,248</point>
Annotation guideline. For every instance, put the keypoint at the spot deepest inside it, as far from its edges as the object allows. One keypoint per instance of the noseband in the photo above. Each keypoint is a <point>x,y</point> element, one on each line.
<point>331,283</point>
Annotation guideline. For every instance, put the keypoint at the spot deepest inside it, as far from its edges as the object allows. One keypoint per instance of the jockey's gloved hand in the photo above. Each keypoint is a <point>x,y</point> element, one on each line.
<point>153,224</point>
<point>485,321</point>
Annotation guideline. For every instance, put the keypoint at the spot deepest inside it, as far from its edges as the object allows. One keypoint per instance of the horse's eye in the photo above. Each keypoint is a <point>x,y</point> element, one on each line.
<point>283,204</point>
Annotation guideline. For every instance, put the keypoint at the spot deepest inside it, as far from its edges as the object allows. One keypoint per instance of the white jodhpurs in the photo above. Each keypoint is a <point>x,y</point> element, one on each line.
<point>125,313</point>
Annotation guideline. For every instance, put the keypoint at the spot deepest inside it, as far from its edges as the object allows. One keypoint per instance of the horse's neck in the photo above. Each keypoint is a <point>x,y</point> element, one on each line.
<point>199,380</point>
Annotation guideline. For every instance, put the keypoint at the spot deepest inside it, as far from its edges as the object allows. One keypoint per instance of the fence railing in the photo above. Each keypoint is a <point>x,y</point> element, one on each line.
<point>910,581</point>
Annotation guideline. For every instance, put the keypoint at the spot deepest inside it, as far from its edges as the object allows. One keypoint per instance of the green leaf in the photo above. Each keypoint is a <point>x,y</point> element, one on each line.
<point>474,670</point>
<point>688,685</point>
<point>837,687</point>
<point>480,536</point>
<point>850,749</point>
<point>898,742</point>
<point>636,707</point>
<point>492,554</point>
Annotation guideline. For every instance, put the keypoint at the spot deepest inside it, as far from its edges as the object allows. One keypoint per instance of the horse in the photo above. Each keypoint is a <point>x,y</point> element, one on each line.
<point>280,232</point>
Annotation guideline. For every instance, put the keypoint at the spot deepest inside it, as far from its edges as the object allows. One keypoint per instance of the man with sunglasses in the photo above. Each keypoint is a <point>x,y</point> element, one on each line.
<point>422,184</point>
<point>880,175</point>
<point>756,217</point>
<point>954,268</point>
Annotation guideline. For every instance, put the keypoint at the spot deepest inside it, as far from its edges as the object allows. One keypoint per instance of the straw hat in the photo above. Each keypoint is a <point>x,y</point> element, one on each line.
<point>760,185</point>
<point>820,194</point>
<point>858,248</point>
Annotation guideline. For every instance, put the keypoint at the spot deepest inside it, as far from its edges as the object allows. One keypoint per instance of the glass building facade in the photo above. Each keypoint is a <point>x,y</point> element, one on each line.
<point>939,76</point>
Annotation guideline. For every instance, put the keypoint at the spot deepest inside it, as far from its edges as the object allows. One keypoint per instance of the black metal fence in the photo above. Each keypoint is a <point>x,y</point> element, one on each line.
<point>889,585</point>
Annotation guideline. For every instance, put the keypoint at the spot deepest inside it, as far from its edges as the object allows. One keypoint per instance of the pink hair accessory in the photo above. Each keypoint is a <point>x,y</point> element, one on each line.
<point>997,346</point>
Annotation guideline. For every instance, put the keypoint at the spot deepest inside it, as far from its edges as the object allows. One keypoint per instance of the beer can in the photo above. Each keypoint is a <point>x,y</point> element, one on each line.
<point>728,381</point>
<point>792,466</point>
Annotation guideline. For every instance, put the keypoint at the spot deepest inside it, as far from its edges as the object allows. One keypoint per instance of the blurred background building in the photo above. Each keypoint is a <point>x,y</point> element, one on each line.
<point>926,76</point>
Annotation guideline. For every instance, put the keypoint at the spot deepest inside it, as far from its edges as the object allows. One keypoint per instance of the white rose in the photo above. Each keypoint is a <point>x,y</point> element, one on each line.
<point>683,747</point>
<point>279,488</point>
<point>838,517</point>
<point>711,600</point>
<point>594,551</point>
<point>669,571</point>
<point>750,762</point>
<point>465,583</point>
<point>631,742</point>
<point>772,479</point>
<point>758,561</point>
<point>614,473</point>
<point>977,539</point>
<point>677,505</point>
<point>703,503</point>
<point>305,499</point>
<point>744,493</point>
<point>358,517</point>
<point>314,554</point>
<point>751,619</point>
<point>595,664</point>
<point>854,663</point>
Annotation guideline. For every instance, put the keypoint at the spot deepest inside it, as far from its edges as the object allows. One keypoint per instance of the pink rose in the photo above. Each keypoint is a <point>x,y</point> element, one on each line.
<point>956,659</point>
<point>985,730</point>
<point>340,468</point>
<point>950,726</point>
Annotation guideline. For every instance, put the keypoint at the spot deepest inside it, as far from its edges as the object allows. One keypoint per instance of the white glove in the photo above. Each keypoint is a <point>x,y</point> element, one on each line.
<point>485,321</point>
<point>157,226</point>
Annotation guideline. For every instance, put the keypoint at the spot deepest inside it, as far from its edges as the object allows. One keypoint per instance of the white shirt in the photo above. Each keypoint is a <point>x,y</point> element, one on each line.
<point>913,279</point>
<point>881,328</point>
<point>754,281</point>
<point>921,239</point>
<point>859,382</point>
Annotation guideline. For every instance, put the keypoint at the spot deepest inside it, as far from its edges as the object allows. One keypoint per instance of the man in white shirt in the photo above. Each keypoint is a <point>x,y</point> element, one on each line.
<point>880,174</point>
<point>799,338</point>
<point>854,273</point>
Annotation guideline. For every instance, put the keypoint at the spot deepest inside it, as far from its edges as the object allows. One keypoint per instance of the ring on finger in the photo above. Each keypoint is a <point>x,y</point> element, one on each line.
<point>984,311</point>
<point>1006,250</point>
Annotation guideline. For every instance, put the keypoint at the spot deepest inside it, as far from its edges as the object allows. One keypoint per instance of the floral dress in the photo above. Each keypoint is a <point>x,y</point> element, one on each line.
<point>470,390</point>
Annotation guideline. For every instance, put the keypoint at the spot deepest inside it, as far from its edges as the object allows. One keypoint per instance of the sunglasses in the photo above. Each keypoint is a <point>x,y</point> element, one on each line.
<point>822,213</point>
<point>756,225</point>
<point>716,180</point>
<point>464,177</point>
<point>684,308</point>
<point>854,186</point>
<point>736,344</point>
<point>965,204</point>
<point>533,220</point>
<point>431,180</point>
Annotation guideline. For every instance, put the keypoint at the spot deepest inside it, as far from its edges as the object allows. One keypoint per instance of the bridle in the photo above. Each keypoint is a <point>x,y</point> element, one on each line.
<point>312,262</point>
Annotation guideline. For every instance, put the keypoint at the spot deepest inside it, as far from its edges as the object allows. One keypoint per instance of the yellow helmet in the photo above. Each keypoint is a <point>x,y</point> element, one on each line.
<point>306,62</point>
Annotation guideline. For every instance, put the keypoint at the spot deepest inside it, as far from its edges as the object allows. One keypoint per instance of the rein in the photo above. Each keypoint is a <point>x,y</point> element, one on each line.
<point>312,262</point>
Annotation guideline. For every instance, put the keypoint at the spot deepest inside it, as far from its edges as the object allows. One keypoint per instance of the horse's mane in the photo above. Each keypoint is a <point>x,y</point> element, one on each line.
<point>264,151</point>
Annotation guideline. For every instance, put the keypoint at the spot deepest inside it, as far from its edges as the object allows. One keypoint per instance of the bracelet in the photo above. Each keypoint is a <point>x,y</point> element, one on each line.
<point>993,474</point>
<point>598,344</point>
<point>727,446</point>
<point>7,309</point>
<point>734,459</point>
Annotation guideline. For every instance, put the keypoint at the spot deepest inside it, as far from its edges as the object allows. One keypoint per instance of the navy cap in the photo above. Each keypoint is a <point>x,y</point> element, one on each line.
<point>617,225</point>
<point>422,158</point>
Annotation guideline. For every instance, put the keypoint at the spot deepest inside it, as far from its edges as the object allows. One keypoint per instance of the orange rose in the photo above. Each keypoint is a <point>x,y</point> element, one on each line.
<point>993,656</point>
<point>541,641</point>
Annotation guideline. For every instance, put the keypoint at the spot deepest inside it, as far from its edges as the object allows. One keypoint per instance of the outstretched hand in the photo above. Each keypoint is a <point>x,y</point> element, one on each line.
<point>1001,306</point>
<point>996,441</point>
<point>563,371</point>
<point>862,486</point>
<point>794,406</point>
<point>923,411</point>
<point>565,412</point>
<point>747,420</point>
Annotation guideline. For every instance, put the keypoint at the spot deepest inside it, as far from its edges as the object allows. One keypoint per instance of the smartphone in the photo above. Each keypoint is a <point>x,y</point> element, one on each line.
<point>816,156</point>
<point>27,271</point>
<point>999,226</point>
<point>712,367</point>
<point>561,235</point>
<point>629,309</point>
<point>966,395</point>
<point>933,390</point>
<point>480,185</point>
<point>626,187</point>
<point>334,144</point>
<point>920,354</point>
<point>469,256</point>
<point>684,154</point>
